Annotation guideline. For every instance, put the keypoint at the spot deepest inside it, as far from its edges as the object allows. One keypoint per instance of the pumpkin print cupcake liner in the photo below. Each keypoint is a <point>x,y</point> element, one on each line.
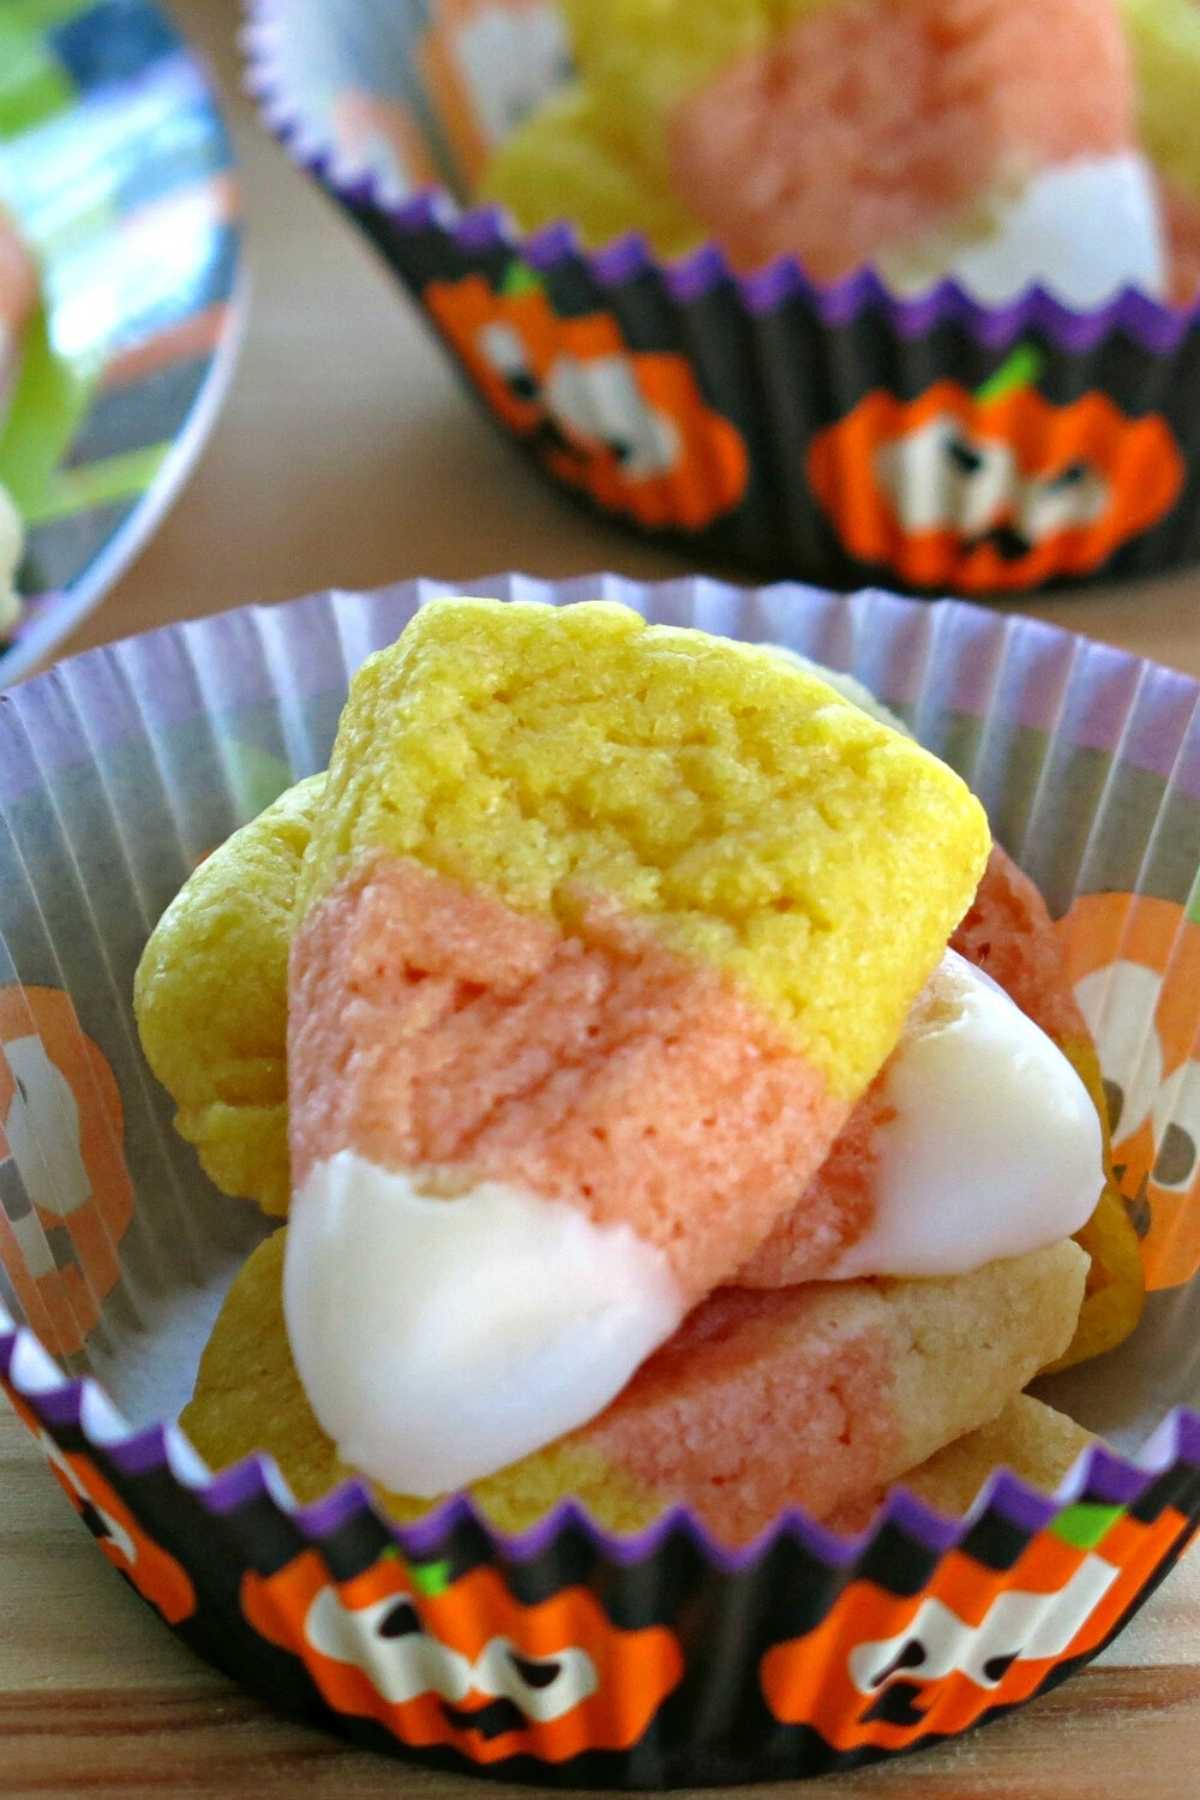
<point>835,433</point>
<point>569,1655</point>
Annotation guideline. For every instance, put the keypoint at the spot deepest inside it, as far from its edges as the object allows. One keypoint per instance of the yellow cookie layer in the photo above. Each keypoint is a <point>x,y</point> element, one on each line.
<point>733,802</point>
<point>210,997</point>
<point>1035,1442</point>
<point>1165,35</point>
<point>640,59</point>
<point>1116,1283</point>
<point>597,152</point>
<point>566,160</point>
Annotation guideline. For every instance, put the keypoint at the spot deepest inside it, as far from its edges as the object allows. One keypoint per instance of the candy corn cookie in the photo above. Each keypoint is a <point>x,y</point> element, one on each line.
<point>815,1396</point>
<point>212,1007</point>
<point>586,976</point>
<point>924,139</point>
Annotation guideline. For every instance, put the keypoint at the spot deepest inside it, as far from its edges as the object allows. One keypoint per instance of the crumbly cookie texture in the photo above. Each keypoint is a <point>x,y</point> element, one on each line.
<point>212,1011</point>
<point>737,807</point>
<point>815,1396</point>
<point>772,126</point>
<point>210,999</point>
<point>1032,1439</point>
<point>640,62</point>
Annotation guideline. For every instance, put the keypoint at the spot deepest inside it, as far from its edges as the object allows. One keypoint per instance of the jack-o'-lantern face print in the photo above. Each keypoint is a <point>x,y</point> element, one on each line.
<point>153,1571</point>
<point>462,1663</point>
<point>630,428</point>
<point>66,1198</point>
<point>1134,963</point>
<point>994,490</point>
<point>886,1672</point>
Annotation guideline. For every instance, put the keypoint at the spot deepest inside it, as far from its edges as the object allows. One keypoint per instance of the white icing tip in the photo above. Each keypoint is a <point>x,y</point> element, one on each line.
<point>1084,230</point>
<point>444,1331</point>
<point>995,1149</point>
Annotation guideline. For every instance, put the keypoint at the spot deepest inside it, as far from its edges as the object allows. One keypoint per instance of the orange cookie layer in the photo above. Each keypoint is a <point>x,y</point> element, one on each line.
<point>432,1027</point>
<point>1009,934</point>
<point>755,1402</point>
<point>871,124</point>
<point>817,1394</point>
<point>836,1208</point>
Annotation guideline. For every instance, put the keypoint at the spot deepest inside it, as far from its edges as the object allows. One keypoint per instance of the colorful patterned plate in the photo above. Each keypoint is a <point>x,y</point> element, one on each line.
<point>116,163</point>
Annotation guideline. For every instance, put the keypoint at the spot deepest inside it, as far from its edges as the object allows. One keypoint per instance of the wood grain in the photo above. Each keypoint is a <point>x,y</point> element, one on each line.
<point>1140,1730</point>
<point>348,455</point>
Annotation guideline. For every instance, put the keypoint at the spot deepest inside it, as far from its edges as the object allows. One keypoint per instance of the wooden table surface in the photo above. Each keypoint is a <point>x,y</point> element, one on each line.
<point>347,455</point>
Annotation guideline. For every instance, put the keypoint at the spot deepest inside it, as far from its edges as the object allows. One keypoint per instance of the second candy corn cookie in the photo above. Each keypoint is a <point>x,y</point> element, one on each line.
<point>816,1396</point>
<point>926,139</point>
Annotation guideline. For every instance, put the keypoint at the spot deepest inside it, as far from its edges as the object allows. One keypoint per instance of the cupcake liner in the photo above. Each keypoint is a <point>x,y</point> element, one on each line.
<point>123,769</point>
<point>836,432</point>
<point>567,1655</point>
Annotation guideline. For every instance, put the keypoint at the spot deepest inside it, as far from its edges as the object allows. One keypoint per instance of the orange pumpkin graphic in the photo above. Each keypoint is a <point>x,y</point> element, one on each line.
<point>1134,963</point>
<point>462,1663</point>
<point>630,428</point>
<point>61,1125</point>
<point>993,490</point>
<point>152,1570</point>
<point>886,1672</point>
